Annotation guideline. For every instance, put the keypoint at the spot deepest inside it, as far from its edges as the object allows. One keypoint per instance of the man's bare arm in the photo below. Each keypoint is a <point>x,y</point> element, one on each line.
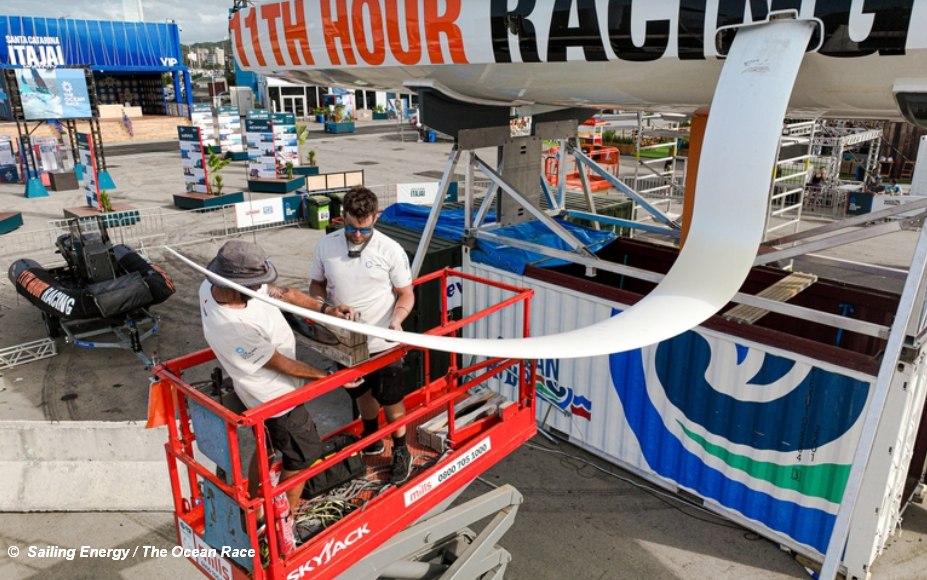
<point>286,365</point>
<point>303,300</point>
<point>404,302</point>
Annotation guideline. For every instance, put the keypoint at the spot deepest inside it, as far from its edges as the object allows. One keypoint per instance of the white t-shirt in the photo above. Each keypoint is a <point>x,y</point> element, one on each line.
<point>365,283</point>
<point>244,339</point>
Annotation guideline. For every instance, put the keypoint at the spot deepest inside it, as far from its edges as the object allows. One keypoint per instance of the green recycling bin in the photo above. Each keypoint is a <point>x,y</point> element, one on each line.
<point>317,212</point>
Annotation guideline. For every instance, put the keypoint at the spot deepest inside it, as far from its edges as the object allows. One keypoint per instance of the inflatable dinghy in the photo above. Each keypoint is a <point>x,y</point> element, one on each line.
<point>100,281</point>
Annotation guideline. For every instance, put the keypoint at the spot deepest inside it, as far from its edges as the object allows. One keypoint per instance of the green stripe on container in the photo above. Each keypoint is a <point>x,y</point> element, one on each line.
<point>826,481</point>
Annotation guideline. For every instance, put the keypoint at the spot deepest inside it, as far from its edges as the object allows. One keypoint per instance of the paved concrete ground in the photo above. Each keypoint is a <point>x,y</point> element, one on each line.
<point>582,518</point>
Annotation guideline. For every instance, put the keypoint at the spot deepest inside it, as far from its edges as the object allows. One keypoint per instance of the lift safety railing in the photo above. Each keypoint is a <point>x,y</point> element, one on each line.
<point>389,512</point>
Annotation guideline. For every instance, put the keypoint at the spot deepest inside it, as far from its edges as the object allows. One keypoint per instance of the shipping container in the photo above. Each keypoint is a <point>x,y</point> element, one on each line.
<point>758,422</point>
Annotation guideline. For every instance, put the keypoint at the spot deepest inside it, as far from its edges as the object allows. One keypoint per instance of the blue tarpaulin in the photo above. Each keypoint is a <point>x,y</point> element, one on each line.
<point>450,226</point>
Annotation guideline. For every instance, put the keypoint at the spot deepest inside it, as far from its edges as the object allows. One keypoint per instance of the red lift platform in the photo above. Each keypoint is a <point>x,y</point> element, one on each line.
<point>387,529</point>
<point>589,133</point>
<point>607,157</point>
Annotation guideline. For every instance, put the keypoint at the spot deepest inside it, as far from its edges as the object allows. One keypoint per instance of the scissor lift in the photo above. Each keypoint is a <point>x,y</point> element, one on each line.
<point>398,530</point>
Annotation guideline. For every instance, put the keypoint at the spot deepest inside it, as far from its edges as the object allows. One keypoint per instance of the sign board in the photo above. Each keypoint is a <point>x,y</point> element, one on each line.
<point>53,93</point>
<point>201,116</point>
<point>88,175</point>
<point>46,150</point>
<point>193,158</point>
<point>885,201</point>
<point>286,145</point>
<point>423,193</point>
<point>6,151</point>
<point>8,171</point>
<point>259,130</point>
<point>48,42</point>
<point>257,213</point>
<point>229,121</point>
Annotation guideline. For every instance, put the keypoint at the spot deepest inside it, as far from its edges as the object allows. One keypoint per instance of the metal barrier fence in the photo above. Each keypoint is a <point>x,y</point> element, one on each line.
<point>141,229</point>
<point>653,186</point>
<point>153,228</point>
<point>827,201</point>
<point>146,229</point>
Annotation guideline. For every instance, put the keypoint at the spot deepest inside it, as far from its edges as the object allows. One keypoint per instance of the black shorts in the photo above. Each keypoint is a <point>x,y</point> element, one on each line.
<point>295,436</point>
<point>384,383</point>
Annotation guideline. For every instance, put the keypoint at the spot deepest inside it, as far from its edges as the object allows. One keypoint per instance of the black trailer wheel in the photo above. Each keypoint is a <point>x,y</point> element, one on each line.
<point>52,325</point>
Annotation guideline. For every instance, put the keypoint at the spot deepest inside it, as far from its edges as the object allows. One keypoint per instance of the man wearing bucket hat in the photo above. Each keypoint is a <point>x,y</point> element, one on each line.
<point>256,347</point>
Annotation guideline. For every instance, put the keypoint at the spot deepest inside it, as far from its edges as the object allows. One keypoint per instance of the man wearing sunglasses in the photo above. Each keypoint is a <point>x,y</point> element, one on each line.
<point>365,269</point>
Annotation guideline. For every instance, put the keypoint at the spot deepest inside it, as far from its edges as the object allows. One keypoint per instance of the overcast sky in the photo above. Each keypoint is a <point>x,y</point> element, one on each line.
<point>199,20</point>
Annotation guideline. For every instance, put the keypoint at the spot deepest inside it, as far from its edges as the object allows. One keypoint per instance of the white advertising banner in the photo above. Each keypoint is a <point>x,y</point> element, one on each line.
<point>257,213</point>
<point>417,193</point>
<point>885,201</point>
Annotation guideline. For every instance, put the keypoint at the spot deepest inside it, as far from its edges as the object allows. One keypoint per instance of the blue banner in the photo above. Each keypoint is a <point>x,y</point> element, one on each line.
<point>38,42</point>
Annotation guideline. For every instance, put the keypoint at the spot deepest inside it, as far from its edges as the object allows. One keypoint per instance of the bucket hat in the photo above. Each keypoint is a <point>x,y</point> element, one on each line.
<point>243,263</point>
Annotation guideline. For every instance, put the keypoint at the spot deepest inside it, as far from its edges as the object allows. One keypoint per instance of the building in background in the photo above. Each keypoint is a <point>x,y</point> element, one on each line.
<point>128,59</point>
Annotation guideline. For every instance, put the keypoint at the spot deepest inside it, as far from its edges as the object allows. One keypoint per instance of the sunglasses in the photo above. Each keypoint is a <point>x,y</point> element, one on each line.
<point>354,229</point>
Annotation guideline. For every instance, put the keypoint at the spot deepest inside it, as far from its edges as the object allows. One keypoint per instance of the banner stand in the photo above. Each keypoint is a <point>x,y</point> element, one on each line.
<point>105,180</point>
<point>35,188</point>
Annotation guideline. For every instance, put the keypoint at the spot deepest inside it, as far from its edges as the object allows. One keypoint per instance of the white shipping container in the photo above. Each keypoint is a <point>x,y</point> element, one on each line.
<point>763,435</point>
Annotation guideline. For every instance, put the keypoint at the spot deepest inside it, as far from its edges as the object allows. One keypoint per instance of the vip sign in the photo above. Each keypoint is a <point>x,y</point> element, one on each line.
<point>34,51</point>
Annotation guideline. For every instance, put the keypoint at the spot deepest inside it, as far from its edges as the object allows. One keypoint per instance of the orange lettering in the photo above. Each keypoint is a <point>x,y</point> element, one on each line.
<point>270,13</point>
<point>31,283</point>
<point>436,25</point>
<point>377,53</point>
<point>235,28</point>
<point>252,25</point>
<point>414,54</point>
<point>294,33</point>
<point>337,29</point>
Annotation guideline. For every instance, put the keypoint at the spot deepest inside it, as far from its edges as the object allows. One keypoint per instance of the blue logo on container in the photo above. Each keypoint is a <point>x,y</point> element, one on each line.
<point>743,427</point>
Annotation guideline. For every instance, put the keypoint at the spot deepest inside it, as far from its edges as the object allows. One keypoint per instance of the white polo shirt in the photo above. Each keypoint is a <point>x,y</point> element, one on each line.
<point>244,339</point>
<point>365,283</point>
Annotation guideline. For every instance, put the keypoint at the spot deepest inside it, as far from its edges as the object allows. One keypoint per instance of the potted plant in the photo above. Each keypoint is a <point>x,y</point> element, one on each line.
<point>310,167</point>
<point>341,121</point>
<point>302,139</point>
<point>216,164</point>
<point>319,113</point>
<point>106,204</point>
<point>124,216</point>
<point>379,113</point>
